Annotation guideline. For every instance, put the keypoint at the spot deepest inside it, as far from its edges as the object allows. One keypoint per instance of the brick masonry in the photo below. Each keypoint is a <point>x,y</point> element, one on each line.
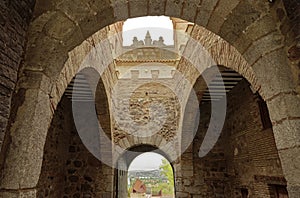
<point>251,149</point>
<point>15,17</point>
<point>245,156</point>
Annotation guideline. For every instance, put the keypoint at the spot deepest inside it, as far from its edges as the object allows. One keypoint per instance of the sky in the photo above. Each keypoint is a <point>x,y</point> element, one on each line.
<point>157,26</point>
<point>146,161</point>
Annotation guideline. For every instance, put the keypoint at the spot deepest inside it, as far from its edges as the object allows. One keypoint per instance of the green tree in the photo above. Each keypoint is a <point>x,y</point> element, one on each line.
<point>167,171</point>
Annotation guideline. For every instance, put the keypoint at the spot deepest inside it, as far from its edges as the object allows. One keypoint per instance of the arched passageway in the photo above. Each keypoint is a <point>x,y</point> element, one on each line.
<point>144,170</point>
<point>243,158</point>
<point>71,165</point>
<point>48,49</point>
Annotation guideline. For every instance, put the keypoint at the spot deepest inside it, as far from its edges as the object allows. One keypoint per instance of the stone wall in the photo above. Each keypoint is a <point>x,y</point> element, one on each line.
<point>69,169</point>
<point>249,146</point>
<point>14,20</point>
<point>291,28</point>
<point>245,157</point>
<point>56,149</point>
<point>209,176</point>
<point>141,105</point>
<point>287,15</point>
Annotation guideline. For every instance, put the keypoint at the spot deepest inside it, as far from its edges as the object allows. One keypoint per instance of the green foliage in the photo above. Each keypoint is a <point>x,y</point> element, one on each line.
<point>164,181</point>
<point>166,188</point>
<point>167,171</point>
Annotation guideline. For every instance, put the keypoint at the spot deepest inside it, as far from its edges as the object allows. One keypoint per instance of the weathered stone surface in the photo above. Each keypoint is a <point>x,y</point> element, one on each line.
<point>287,134</point>
<point>279,75</point>
<point>156,7</point>
<point>37,61</point>
<point>34,80</point>
<point>138,8</point>
<point>67,157</point>
<point>242,43</point>
<point>294,191</point>
<point>189,10</point>
<point>236,22</point>
<point>263,46</point>
<point>104,16</point>
<point>205,9</point>
<point>284,106</point>
<point>261,27</point>
<point>58,32</point>
<point>28,134</point>
<point>75,11</point>
<point>290,160</point>
<point>220,13</point>
<point>24,194</point>
<point>174,7</point>
<point>120,9</point>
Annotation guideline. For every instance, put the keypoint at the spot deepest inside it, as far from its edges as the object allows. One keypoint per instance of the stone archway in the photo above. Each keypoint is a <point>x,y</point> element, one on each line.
<point>71,165</point>
<point>49,44</point>
<point>243,149</point>
<point>127,158</point>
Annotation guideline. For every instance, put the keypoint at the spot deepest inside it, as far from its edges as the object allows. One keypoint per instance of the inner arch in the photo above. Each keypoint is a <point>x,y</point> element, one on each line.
<point>145,170</point>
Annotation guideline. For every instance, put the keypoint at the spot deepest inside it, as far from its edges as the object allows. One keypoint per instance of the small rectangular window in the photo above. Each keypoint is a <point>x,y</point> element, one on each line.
<point>279,191</point>
<point>264,114</point>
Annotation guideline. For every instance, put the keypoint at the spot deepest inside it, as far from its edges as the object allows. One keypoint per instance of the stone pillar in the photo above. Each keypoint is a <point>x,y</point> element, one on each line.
<point>108,173</point>
<point>278,89</point>
<point>285,115</point>
<point>23,162</point>
<point>187,171</point>
<point>122,178</point>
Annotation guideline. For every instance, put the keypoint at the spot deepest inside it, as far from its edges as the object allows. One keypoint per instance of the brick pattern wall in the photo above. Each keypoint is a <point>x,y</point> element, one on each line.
<point>245,156</point>
<point>15,16</point>
<point>250,149</point>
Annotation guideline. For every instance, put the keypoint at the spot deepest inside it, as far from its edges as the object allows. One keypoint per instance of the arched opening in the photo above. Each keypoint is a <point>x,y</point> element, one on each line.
<point>145,171</point>
<point>151,174</point>
<point>71,164</point>
<point>238,158</point>
<point>50,43</point>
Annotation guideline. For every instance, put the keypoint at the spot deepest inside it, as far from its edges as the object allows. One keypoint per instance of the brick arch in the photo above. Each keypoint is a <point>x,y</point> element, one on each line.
<point>208,49</point>
<point>49,43</point>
